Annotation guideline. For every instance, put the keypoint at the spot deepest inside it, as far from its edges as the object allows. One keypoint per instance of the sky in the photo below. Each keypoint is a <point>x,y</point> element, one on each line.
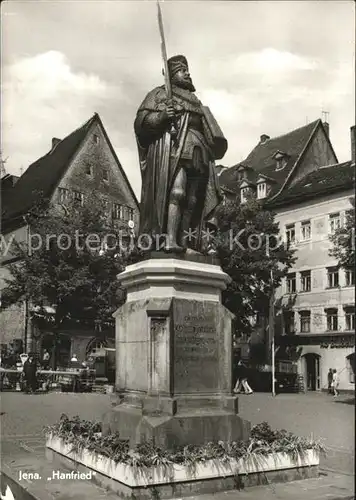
<point>264,67</point>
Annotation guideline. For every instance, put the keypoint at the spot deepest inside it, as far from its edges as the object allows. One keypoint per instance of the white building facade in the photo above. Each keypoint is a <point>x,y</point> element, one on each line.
<point>322,318</point>
<point>298,177</point>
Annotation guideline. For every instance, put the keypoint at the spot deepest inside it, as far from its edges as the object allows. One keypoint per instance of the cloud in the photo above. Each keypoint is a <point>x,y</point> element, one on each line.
<point>271,61</point>
<point>270,83</point>
<point>44,97</point>
<point>226,107</point>
<point>246,91</point>
<point>274,91</point>
<point>46,75</point>
<point>262,68</point>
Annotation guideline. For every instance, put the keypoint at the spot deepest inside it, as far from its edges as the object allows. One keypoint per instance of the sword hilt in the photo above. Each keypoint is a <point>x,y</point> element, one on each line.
<point>173,124</point>
<point>173,130</point>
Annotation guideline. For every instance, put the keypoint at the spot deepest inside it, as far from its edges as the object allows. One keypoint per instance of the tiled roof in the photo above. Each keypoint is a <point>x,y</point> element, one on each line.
<point>261,157</point>
<point>219,169</point>
<point>263,176</point>
<point>292,143</point>
<point>324,179</point>
<point>43,175</point>
<point>229,178</point>
<point>6,186</point>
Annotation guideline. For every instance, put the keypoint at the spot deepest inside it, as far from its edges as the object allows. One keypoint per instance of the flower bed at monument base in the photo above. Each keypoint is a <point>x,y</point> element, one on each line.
<point>173,473</point>
<point>147,470</point>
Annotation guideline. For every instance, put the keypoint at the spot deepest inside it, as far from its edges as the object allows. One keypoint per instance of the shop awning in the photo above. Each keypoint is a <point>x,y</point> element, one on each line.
<point>337,338</point>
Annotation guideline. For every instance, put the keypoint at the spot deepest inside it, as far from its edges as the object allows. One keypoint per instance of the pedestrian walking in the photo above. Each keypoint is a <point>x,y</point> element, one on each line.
<point>245,383</point>
<point>335,383</point>
<point>330,381</point>
<point>45,359</point>
<point>238,385</point>
<point>30,372</point>
<point>242,379</point>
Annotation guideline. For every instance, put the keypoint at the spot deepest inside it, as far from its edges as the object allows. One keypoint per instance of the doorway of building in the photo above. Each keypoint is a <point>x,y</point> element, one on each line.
<point>59,348</point>
<point>312,369</point>
<point>95,345</point>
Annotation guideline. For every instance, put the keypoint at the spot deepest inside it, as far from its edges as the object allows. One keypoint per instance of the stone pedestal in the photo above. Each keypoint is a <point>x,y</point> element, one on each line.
<point>174,357</point>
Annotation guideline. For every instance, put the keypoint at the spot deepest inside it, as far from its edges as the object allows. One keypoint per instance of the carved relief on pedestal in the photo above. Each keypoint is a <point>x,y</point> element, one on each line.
<point>157,354</point>
<point>157,327</point>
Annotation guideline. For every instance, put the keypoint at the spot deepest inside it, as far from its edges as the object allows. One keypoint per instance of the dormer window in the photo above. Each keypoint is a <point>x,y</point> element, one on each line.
<point>261,190</point>
<point>246,190</point>
<point>241,174</point>
<point>264,138</point>
<point>281,159</point>
<point>281,164</point>
<point>263,185</point>
<point>244,194</point>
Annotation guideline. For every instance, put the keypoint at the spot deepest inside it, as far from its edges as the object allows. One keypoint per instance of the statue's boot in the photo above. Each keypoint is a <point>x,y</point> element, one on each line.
<point>174,214</point>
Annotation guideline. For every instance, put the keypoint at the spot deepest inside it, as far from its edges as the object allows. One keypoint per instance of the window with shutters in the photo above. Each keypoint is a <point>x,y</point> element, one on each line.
<point>305,281</point>
<point>331,320</point>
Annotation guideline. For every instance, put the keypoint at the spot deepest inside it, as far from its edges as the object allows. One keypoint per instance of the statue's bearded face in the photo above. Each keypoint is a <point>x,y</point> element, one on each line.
<point>182,79</point>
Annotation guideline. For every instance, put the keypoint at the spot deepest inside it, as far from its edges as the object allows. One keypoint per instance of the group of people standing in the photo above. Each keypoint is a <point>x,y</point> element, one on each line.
<point>333,382</point>
<point>30,368</point>
<point>32,365</point>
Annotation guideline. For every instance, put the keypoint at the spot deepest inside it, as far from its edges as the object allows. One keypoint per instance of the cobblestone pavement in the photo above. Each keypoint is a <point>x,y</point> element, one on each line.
<point>317,415</point>
<point>312,414</point>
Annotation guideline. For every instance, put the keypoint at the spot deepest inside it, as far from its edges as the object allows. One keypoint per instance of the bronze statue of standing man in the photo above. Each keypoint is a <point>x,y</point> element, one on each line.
<point>178,141</point>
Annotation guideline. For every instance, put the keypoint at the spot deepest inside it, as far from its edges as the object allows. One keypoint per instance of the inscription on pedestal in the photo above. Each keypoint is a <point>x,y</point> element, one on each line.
<point>195,348</point>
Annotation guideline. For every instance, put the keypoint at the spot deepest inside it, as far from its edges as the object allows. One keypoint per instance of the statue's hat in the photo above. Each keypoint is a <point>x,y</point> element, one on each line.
<point>177,63</point>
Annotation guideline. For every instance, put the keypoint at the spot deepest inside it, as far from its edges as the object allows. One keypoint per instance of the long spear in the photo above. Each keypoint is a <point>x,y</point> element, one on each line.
<point>165,163</point>
<point>167,81</point>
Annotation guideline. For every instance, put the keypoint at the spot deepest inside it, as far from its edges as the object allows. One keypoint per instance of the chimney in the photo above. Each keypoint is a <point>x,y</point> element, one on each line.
<point>264,138</point>
<point>14,179</point>
<point>353,137</point>
<point>219,169</point>
<point>55,141</point>
<point>326,128</point>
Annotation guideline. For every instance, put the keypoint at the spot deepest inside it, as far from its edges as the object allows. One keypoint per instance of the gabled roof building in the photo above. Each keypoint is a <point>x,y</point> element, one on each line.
<point>297,175</point>
<point>282,160</point>
<point>81,160</point>
<point>74,167</point>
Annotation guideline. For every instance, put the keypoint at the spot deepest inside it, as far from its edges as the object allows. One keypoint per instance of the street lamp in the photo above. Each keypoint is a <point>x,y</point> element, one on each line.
<point>271,329</point>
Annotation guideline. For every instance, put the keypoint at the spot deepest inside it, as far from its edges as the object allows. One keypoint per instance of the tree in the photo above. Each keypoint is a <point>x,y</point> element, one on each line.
<point>249,247</point>
<point>70,262</point>
<point>2,164</point>
<point>343,241</point>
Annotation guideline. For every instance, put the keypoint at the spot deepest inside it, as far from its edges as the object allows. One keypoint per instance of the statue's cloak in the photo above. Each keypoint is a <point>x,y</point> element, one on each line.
<point>159,158</point>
